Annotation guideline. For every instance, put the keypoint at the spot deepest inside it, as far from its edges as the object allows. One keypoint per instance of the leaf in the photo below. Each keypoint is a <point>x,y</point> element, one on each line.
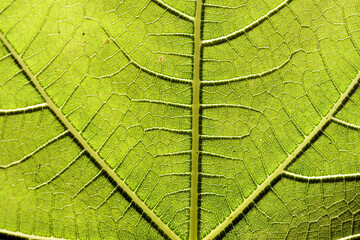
<point>179,119</point>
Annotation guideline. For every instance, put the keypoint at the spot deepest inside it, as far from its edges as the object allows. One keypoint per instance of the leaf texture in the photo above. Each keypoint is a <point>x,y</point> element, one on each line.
<point>185,119</point>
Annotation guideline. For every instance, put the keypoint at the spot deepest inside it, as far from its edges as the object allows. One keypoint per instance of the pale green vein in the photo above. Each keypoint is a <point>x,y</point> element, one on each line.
<point>24,109</point>
<point>208,175</point>
<point>6,6</point>
<point>346,124</point>
<point>59,76</point>
<point>57,53</point>
<point>136,64</point>
<point>223,6</point>
<point>5,56</point>
<point>163,103</point>
<point>216,60</point>
<point>143,179</point>
<point>88,183</point>
<point>27,236</point>
<point>134,165</point>
<point>75,88</point>
<point>73,110</point>
<point>224,105</point>
<point>350,35</point>
<point>94,115</point>
<point>212,194</point>
<point>209,211</point>
<point>172,153</point>
<point>59,173</point>
<point>174,54</point>
<point>186,190</point>
<point>216,41</point>
<point>173,10</point>
<point>252,76</point>
<point>180,131</point>
<point>156,74</point>
<point>180,174</point>
<point>173,217</point>
<point>111,74</point>
<point>39,29</point>
<point>221,156</point>
<point>35,151</point>
<point>109,136</point>
<point>126,154</point>
<point>62,118</point>
<point>290,159</point>
<point>105,199</point>
<point>187,35</point>
<point>336,177</point>
<point>356,236</point>
<point>215,137</point>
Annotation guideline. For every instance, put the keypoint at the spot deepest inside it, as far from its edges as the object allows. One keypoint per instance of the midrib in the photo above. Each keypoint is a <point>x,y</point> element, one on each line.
<point>195,123</point>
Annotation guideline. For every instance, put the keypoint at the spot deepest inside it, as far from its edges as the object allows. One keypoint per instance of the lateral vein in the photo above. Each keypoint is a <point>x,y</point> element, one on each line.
<point>28,236</point>
<point>216,41</point>
<point>24,109</point>
<point>321,178</point>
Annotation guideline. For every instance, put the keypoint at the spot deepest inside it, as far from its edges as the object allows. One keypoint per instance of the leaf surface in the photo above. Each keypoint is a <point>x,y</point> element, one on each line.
<point>179,119</point>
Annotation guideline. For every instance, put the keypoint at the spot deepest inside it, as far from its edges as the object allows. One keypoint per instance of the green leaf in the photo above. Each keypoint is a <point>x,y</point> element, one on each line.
<point>186,119</point>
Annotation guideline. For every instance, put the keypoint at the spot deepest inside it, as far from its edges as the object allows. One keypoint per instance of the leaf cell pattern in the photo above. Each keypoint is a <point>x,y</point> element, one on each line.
<point>186,119</point>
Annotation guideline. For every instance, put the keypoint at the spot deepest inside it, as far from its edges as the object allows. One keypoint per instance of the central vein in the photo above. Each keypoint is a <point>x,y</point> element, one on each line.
<point>195,123</point>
